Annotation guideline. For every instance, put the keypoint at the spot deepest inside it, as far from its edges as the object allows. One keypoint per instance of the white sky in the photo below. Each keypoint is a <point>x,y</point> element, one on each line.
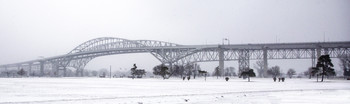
<point>30,29</point>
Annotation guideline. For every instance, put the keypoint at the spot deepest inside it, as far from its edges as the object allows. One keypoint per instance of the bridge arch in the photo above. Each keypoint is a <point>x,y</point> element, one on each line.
<point>87,51</point>
<point>104,43</point>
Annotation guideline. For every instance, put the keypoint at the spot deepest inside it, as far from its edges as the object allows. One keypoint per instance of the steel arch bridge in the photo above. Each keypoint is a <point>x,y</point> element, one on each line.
<point>171,53</point>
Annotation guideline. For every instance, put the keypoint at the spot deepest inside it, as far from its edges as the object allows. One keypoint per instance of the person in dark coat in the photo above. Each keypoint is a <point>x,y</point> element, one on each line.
<point>274,79</point>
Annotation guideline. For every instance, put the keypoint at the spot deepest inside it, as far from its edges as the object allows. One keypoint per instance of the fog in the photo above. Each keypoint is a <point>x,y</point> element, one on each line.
<point>33,29</point>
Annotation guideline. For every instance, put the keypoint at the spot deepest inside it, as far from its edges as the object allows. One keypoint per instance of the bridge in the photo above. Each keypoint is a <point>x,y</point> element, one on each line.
<point>171,53</point>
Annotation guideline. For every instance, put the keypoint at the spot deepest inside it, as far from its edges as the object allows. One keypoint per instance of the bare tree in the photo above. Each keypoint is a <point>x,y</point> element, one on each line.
<point>308,72</point>
<point>94,73</point>
<point>274,71</point>
<point>345,65</point>
<point>175,70</point>
<point>291,72</point>
<point>189,67</point>
<point>102,72</point>
<point>230,71</point>
<point>216,72</point>
<point>195,71</point>
<point>259,65</point>
<point>181,70</point>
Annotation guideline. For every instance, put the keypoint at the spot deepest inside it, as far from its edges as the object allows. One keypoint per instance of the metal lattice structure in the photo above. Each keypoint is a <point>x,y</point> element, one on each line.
<point>171,53</point>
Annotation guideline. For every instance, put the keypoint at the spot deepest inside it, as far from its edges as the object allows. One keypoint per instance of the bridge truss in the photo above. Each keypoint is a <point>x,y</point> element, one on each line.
<point>170,53</point>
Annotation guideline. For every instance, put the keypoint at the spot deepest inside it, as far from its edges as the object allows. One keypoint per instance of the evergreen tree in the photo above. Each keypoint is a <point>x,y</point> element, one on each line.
<point>133,71</point>
<point>248,73</point>
<point>323,67</point>
<point>21,72</point>
<point>161,70</point>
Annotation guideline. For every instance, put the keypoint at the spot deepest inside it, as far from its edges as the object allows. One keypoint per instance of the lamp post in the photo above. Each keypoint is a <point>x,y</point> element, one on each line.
<point>225,39</point>
<point>110,71</point>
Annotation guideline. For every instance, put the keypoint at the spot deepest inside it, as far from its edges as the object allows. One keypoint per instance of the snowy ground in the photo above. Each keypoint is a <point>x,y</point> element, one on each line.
<point>151,91</point>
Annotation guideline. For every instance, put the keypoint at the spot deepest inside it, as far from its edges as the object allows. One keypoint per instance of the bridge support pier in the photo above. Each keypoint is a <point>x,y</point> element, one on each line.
<point>82,72</point>
<point>5,67</point>
<point>171,66</point>
<point>318,53</point>
<point>265,62</point>
<point>29,69</point>
<point>315,54</point>
<point>243,61</point>
<point>313,58</point>
<point>42,68</point>
<point>64,72</point>
<point>55,70</point>
<point>221,62</point>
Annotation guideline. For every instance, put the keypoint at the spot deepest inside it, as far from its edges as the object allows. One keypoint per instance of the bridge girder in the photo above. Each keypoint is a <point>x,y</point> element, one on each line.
<point>243,56</point>
<point>232,54</point>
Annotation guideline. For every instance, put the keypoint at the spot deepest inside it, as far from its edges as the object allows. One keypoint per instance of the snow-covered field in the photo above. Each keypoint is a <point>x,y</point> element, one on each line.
<point>174,90</point>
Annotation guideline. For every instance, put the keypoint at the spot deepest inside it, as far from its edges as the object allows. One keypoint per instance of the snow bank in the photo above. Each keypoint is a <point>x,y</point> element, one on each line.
<point>123,90</point>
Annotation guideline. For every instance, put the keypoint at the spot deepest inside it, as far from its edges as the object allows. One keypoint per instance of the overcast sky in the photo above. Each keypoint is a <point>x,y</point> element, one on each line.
<point>30,29</point>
